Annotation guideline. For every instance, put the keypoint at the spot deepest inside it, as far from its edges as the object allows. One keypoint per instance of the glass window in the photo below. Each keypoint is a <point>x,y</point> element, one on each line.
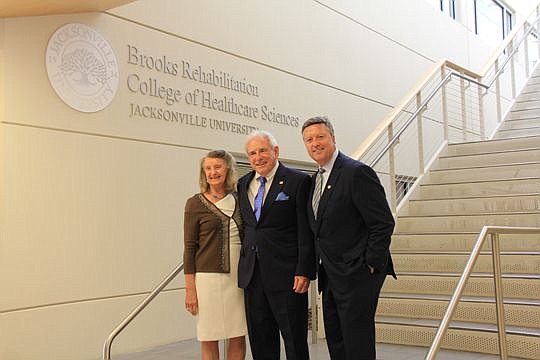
<point>492,20</point>
<point>449,7</point>
<point>507,23</point>
<point>446,6</point>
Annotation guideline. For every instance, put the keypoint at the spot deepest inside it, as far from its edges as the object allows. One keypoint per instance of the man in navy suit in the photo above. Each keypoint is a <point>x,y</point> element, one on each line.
<point>352,224</point>
<point>277,259</point>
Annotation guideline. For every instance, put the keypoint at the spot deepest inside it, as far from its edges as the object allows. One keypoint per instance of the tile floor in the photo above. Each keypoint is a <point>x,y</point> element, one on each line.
<point>189,350</point>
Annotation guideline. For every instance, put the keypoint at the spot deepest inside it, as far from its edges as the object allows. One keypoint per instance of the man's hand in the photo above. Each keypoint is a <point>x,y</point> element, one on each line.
<point>301,284</point>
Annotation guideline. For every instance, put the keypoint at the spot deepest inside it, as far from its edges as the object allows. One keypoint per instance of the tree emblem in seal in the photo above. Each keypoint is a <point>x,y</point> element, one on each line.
<point>82,67</point>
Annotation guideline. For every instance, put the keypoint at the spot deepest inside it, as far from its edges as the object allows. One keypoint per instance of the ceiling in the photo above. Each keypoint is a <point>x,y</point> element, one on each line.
<point>15,8</point>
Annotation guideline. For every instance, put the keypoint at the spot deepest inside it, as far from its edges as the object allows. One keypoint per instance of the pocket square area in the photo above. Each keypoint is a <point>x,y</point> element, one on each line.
<point>282,196</point>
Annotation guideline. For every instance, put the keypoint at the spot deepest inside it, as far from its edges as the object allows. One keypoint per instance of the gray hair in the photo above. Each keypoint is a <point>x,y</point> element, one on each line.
<point>264,134</point>
<point>319,120</point>
<point>230,162</point>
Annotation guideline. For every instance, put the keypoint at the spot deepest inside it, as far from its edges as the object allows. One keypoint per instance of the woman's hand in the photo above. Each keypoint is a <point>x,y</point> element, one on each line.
<point>192,305</point>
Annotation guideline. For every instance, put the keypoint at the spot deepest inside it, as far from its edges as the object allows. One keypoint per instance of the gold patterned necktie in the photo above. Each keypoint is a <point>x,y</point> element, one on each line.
<point>317,191</point>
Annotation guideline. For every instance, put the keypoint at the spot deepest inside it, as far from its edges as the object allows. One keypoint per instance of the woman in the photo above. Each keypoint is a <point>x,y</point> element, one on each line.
<point>212,241</point>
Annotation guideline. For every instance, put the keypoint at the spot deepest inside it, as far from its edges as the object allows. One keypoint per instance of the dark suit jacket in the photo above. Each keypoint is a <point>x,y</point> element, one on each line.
<point>281,240</point>
<point>354,223</point>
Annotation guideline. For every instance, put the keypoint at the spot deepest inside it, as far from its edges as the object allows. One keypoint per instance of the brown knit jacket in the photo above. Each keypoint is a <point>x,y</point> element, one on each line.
<point>206,236</point>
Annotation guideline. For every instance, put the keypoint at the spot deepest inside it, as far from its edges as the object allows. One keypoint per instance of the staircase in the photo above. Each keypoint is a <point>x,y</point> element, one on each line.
<point>494,182</point>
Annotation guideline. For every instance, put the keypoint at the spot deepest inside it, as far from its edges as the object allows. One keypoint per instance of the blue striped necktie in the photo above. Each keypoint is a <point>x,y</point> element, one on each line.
<point>317,191</point>
<point>258,202</point>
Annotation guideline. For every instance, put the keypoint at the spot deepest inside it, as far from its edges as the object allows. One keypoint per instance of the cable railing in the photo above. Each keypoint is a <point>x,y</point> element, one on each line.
<point>493,232</point>
<point>449,105</point>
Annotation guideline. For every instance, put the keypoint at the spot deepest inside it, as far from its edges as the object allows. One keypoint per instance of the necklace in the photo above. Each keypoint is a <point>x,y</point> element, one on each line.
<point>217,197</point>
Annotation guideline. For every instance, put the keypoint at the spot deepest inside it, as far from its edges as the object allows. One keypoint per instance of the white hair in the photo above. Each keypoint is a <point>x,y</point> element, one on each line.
<point>264,134</point>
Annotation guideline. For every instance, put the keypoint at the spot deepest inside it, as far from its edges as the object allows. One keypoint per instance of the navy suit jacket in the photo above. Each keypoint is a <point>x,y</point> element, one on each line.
<point>281,241</point>
<point>354,224</point>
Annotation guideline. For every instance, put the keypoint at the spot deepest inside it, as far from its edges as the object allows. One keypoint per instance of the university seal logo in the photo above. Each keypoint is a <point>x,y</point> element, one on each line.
<point>82,67</point>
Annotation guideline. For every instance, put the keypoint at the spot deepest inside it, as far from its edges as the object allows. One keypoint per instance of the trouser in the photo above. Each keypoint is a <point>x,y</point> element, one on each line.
<point>269,313</point>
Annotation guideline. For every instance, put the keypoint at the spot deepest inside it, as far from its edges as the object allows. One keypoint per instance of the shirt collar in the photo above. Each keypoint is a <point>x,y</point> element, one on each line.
<point>330,164</point>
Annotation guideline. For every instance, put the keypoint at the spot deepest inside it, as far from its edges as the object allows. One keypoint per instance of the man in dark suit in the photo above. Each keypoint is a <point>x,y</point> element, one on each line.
<point>277,259</point>
<point>352,224</point>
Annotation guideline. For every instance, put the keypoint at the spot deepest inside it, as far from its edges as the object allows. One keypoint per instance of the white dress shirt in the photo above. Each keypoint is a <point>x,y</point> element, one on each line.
<point>328,168</point>
<point>254,185</point>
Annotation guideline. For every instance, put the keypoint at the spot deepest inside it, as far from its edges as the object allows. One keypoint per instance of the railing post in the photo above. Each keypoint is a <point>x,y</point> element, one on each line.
<point>495,249</point>
<point>444,106</point>
<point>392,171</point>
<point>463,89</point>
<point>420,135</point>
<point>538,29</point>
<point>526,48</point>
<point>481,112</point>
<point>513,70</point>
<point>498,92</point>
<point>226,349</point>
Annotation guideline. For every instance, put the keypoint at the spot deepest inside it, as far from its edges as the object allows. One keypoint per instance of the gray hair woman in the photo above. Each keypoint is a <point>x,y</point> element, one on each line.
<point>212,241</point>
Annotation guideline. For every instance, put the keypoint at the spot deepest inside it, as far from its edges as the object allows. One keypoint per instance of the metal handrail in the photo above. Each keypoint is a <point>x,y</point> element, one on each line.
<point>411,118</point>
<point>494,232</point>
<point>406,119</point>
<point>108,344</point>
<point>138,309</point>
<point>424,103</point>
<point>514,50</point>
<point>468,78</point>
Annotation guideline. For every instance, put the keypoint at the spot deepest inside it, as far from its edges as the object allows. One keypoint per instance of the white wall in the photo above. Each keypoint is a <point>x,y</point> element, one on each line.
<point>371,50</point>
<point>91,203</point>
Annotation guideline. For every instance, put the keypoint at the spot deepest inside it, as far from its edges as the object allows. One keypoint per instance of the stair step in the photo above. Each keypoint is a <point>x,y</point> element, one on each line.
<point>459,223</point>
<point>486,159</point>
<point>531,88</point>
<point>489,275</point>
<point>530,96</point>
<point>457,324</point>
<point>531,114</point>
<point>484,173</point>
<point>514,287</point>
<point>465,299</point>
<point>477,183</point>
<point>482,147</point>
<point>526,105</point>
<point>507,134</point>
<point>520,124</point>
<point>478,189</point>
<point>444,262</point>
<point>460,242</point>
<point>525,347</point>
<point>475,205</point>
<point>535,74</point>
<point>534,80</point>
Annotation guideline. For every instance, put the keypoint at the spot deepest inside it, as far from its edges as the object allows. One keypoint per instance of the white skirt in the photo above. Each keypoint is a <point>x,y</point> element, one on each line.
<point>221,302</point>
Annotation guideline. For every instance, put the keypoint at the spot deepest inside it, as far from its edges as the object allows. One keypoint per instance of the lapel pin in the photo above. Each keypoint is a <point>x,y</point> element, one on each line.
<point>281,182</point>
<point>329,186</point>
